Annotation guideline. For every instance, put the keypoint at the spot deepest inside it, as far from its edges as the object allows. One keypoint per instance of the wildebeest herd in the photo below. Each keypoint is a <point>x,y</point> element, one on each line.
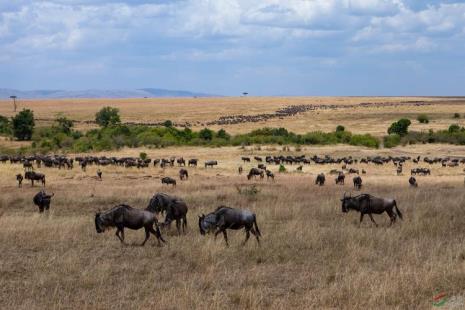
<point>175,209</point>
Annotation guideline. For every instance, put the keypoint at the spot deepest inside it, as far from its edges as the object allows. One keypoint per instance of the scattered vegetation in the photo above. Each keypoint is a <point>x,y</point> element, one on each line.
<point>400,127</point>
<point>107,116</point>
<point>456,115</point>
<point>23,125</point>
<point>423,119</point>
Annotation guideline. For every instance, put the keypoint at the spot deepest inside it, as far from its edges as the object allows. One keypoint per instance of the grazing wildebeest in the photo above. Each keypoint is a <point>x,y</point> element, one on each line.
<point>183,174</point>
<point>240,169</point>
<point>363,171</point>
<point>368,204</point>
<point>261,166</point>
<point>353,170</point>
<point>413,182</point>
<point>174,207</point>
<point>19,178</point>
<point>228,218</point>
<point>211,163</point>
<point>34,176</point>
<point>357,182</point>
<point>42,200</point>
<point>246,159</point>
<point>27,165</point>
<point>168,180</point>
<point>399,170</point>
<point>83,165</point>
<point>99,174</point>
<point>255,172</point>
<point>320,179</point>
<point>340,179</point>
<point>192,162</point>
<point>269,175</point>
<point>181,161</point>
<point>299,168</point>
<point>258,158</point>
<point>124,216</point>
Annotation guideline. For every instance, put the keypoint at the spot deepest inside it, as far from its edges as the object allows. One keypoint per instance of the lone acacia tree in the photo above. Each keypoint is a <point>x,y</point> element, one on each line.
<point>14,102</point>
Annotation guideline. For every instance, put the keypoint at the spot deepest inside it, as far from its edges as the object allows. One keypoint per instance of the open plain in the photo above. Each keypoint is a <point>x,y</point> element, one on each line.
<point>312,255</point>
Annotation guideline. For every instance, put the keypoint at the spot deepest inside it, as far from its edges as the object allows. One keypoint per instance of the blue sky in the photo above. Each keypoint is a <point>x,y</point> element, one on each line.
<point>265,47</point>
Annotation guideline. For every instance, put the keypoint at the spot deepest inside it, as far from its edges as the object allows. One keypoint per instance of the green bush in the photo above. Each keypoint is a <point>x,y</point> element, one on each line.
<point>364,140</point>
<point>107,116</point>
<point>143,155</point>
<point>391,141</point>
<point>400,127</point>
<point>423,119</point>
<point>23,125</point>
<point>454,128</point>
<point>456,115</point>
<point>340,128</point>
<point>5,126</point>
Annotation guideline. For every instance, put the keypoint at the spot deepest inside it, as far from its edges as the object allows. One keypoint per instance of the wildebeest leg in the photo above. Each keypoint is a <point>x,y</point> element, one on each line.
<point>184,224</point>
<point>178,226</point>
<point>118,231</point>
<point>32,183</point>
<point>247,236</point>
<point>157,234</point>
<point>361,218</point>
<point>392,216</point>
<point>372,219</point>
<point>252,230</point>
<point>147,235</point>
<point>225,237</point>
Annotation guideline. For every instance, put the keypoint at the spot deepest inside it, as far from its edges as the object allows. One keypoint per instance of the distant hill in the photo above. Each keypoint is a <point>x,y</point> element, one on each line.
<point>98,93</point>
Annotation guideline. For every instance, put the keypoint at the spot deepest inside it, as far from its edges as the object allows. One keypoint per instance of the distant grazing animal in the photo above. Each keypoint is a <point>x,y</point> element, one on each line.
<point>192,162</point>
<point>174,207</point>
<point>181,161</point>
<point>299,168</point>
<point>34,176</point>
<point>124,216</point>
<point>357,182</point>
<point>413,182</point>
<point>320,179</point>
<point>261,166</point>
<point>224,218</point>
<point>42,200</point>
<point>245,159</point>
<point>257,158</point>
<point>255,172</point>
<point>168,181</point>
<point>27,165</point>
<point>99,174</point>
<point>211,163</point>
<point>240,169</point>
<point>363,171</point>
<point>269,175</point>
<point>340,179</point>
<point>83,165</point>
<point>19,178</point>
<point>353,170</point>
<point>399,170</point>
<point>183,174</point>
<point>368,204</point>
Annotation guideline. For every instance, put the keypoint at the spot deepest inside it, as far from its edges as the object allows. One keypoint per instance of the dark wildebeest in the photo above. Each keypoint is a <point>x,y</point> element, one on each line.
<point>34,176</point>
<point>240,169</point>
<point>124,216</point>
<point>299,168</point>
<point>269,175</point>
<point>211,163</point>
<point>27,165</point>
<point>320,179</point>
<point>357,182</point>
<point>228,218</point>
<point>340,179</point>
<point>42,200</point>
<point>183,174</point>
<point>99,174</point>
<point>246,159</point>
<point>255,172</point>
<point>168,181</point>
<point>174,207</point>
<point>192,162</point>
<point>368,204</point>
<point>413,182</point>
<point>181,161</point>
<point>19,178</point>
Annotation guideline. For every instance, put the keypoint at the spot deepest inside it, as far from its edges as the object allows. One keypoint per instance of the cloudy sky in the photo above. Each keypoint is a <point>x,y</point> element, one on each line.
<point>265,47</point>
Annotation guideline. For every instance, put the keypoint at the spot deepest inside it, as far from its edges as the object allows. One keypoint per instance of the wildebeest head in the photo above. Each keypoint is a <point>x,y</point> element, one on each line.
<point>201,224</point>
<point>346,200</point>
<point>207,223</point>
<point>99,225</point>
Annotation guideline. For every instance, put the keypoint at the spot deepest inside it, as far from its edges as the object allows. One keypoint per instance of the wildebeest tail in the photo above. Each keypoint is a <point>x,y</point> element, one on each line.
<point>256,226</point>
<point>397,210</point>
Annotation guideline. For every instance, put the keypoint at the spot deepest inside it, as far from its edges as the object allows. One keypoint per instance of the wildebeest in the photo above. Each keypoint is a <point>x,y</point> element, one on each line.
<point>255,172</point>
<point>357,182</point>
<point>228,218</point>
<point>368,204</point>
<point>240,169</point>
<point>340,179</point>
<point>320,179</point>
<point>99,174</point>
<point>413,182</point>
<point>245,159</point>
<point>34,176</point>
<point>269,175</point>
<point>192,162</point>
<point>183,174</point>
<point>181,161</point>
<point>174,207</point>
<point>211,163</point>
<point>124,216</point>
<point>19,178</point>
<point>27,165</point>
<point>168,180</point>
<point>42,200</point>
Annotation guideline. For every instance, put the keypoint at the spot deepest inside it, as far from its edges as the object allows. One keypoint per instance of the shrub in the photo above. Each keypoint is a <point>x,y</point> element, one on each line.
<point>143,155</point>
<point>454,128</point>
<point>222,134</point>
<point>5,125</point>
<point>340,128</point>
<point>392,140</point>
<point>23,125</point>
<point>423,119</point>
<point>282,168</point>
<point>400,127</point>
<point>206,134</point>
<point>64,124</point>
<point>456,115</point>
<point>107,116</point>
<point>364,140</point>
<point>168,123</point>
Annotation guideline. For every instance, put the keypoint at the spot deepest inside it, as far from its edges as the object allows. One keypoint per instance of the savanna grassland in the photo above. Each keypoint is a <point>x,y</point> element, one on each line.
<point>312,255</point>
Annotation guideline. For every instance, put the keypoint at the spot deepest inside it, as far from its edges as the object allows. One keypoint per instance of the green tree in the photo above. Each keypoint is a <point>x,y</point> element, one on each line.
<point>23,125</point>
<point>168,123</point>
<point>423,118</point>
<point>454,128</point>
<point>143,155</point>
<point>107,116</point>
<point>222,134</point>
<point>206,134</point>
<point>64,124</point>
<point>400,127</point>
<point>5,125</point>
<point>340,128</point>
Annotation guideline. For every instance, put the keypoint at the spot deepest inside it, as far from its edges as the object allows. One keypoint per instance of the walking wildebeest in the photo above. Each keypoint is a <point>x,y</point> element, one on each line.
<point>168,181</point>
<point>255,172</point>
<point>124,216</point>
<point>368,204</point>
<point>246,159</point>
<point>228,218</point>
<point>183,174</point>
<point>413,182</point>
<point>192,162</point>
<point>320,179</point>
<point>211,163</point>
<point>42,200</point>
<point>181,161</point>
<point>340,179</point>
<point>19,178</point>
<point>357,182</point>
<point>34,176</point>
<point>174,207</point>
<point>269,175</point>
<point>27,165</point>
<point>99,174</point>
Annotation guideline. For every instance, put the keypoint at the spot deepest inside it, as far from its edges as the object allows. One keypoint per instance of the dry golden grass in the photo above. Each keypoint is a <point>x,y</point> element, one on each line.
<point>312,255</point>
<point>199,111</point>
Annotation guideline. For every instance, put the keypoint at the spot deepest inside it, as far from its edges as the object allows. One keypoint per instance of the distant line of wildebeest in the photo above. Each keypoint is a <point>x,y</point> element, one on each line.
<point>223,218</point>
